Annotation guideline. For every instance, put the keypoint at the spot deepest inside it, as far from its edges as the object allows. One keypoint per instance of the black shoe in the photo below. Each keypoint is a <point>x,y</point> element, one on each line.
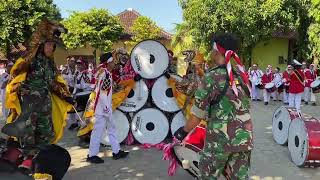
<point>314,104</point>
<point>266,103</point>
<point>286,103</point>
<point>73,126</point>
<point>121,154</point>
<point>258,99</point>
<point>95,160</point>
<point>302,100</point>
<point>306,103</point>
<point>254,100</point>
<point>279,100</point>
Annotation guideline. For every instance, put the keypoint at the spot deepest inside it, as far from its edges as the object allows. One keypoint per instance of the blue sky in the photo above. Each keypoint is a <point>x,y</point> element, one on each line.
<point>164,12</point>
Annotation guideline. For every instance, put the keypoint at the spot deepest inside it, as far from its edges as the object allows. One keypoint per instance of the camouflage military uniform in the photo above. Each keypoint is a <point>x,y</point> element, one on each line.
<point>36,102</point>
<point>229,131</point>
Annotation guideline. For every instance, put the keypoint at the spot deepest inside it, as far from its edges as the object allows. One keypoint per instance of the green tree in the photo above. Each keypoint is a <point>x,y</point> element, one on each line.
<point>143,28</point>
<point>314,29</point>
<point>18,19</point>
<point>96,27</point>
<point>251,20</point>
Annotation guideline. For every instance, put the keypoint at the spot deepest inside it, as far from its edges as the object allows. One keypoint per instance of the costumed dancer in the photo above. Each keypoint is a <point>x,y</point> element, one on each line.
<point>255,75</point>
<point>37,96</point>
<point>313,71</point>
<point>296,87</point>
<point>103,112</point>
<point>267,78</point>
<point>277,79</point>
<point>286,83</point>
<point>223,100</point>
<point>84,79</point>
<point>4,79</point>
<point>307,83</point>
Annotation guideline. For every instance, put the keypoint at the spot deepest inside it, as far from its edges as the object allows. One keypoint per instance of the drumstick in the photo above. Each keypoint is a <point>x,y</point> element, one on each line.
<point>82,122</point>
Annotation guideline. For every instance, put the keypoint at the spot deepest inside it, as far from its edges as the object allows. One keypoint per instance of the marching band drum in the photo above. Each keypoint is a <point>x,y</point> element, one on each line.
<point>150,126</point>
<point>315,85</point>
<point>136,99</point>
<point>150,59</point>
<point>178,121</point>
<point>304,141</point>
<point>187,153</point>
<point>270,87</point>
<point>122,126</point>
<point>162,96</point>
<point>281,120</point>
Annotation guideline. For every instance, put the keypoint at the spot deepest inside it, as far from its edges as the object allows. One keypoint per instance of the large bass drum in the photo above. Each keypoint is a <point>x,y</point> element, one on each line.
<point>162,96</point>
<point>122,126</point>
<point>304,141</point>
<point>150,126</point>
<point>136,99</point>
<point>150,59</point>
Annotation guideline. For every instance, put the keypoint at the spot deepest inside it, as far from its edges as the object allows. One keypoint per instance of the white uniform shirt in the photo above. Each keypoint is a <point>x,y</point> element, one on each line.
<point>255,75</point>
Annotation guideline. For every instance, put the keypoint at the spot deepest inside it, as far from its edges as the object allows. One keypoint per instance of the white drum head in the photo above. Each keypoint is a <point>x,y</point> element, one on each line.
<point>122,127</point>
<point>150,126</point>
<point>269,85</point>
<point>315,83</point>
<point>149,59</point>
<point>280,125</point>
<point>136,99</point>
<point>298,142</point>
<point>83,93</point>
<point>162,95</point>
<point>178,121</point>
<point>183,153</point>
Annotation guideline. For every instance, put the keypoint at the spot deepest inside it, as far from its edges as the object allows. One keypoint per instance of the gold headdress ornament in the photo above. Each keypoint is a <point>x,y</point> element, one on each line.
<point>120,55</point>
<point>45,31</point>
<point>199,58</point>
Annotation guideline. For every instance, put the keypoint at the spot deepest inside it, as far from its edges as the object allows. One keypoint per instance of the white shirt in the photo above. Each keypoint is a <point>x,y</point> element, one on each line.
<point>3,78</point>
<point>255,75</point>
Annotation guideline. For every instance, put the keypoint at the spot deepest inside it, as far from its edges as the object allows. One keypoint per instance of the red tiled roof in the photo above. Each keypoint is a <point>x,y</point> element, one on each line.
<point>128,17</point>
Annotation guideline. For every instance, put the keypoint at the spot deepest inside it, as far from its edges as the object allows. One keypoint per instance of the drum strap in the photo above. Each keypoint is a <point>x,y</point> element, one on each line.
<point>296,73</point>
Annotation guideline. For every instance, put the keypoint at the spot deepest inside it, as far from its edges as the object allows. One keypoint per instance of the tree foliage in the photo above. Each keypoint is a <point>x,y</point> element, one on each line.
<point>314,29</point>
<point>251,20</point>
<point>96,27</point>
<point>144,28</point>
<point>18,19</point>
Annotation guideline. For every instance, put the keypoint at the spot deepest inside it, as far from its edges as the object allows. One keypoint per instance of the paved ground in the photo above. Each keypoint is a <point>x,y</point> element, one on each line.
<point>269,160</point>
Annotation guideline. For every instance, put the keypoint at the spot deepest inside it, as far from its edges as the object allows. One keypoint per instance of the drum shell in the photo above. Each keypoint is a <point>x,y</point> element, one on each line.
<point>316,89</point>
<point>313,129</point>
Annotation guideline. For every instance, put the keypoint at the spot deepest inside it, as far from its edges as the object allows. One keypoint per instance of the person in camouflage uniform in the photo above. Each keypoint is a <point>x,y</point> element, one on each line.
<point>223,100</point>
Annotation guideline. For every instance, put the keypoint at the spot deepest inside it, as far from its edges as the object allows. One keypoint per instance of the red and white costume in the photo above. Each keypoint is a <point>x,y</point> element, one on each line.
<point>296,88</point>
<point>103,112</point>
<point>277,78</point>
<point>267,78</point>
<point>313,77</point>
<point>255,76</point>
<point>286,83</point>
<point>307,82</point>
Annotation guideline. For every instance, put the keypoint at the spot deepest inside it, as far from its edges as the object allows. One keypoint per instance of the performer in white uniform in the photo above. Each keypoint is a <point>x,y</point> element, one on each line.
<point>4,78</point>
<point>277,78</point>
<point>255,75</point>
<point>103,112</point>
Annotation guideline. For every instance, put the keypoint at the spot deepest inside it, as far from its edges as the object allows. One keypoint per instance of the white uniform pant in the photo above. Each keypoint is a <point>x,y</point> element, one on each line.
<point>5,111</point>
<point>307,94</point>
<point>98,131</point>
<point>255,92</point>
<point>267,95</point>
<point>295,101</point>
<point>276,95</point>
<point>313,97</point>
<point>285,96</point>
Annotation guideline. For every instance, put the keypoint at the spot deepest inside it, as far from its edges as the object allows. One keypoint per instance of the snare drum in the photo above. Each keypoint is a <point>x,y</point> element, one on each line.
<point>315,85</point>
<point>187,153</point>
<point>304,142</point>
<point>150,59</point>
<point>162,96</point>
<point>270,87</point>
<point>259,84</point>
<point>281,120</point>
